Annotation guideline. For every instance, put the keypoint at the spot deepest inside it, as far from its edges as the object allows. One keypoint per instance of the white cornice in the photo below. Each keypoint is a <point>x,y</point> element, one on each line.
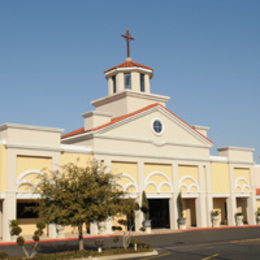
<point>30,127</point>
<point>76,148</point>
<point>28,147</point>
<point>97,113</point>
<point>128,69</point>
<point>218,158</point>
<point>130,93</point>
<point>235,149</point>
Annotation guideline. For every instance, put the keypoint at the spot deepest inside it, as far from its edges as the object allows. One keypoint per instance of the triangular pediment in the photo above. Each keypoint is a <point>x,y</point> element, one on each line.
<point>140,126</point>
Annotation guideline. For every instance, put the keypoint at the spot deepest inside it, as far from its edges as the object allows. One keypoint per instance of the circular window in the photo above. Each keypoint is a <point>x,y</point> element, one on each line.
<point>157,127</point>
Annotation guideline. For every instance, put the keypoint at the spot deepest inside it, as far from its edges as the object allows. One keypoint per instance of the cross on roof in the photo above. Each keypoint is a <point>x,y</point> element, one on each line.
<point>128,37</point>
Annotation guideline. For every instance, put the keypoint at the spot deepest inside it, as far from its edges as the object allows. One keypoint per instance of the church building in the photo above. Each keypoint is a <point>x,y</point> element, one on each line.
<point>134,134</point>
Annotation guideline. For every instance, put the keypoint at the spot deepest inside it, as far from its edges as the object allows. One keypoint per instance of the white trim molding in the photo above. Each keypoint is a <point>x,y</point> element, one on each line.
<point>133,183</point>
<point>195,184</point>
<point>157,186</point>
<point>247,185</point>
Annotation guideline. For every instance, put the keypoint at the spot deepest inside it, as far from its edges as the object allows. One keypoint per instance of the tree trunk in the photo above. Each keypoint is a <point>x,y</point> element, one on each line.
<point>81,242</point>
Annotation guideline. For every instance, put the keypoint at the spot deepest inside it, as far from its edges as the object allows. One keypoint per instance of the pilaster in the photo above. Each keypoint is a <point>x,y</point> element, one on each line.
<point>231,201</point>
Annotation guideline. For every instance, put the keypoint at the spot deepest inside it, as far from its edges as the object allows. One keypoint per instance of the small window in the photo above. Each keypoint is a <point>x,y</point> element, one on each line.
<point>142,82</point>
<point>23,210</point>
<point>127,80</point>
<point>157,126</point>
<point>114,83</point>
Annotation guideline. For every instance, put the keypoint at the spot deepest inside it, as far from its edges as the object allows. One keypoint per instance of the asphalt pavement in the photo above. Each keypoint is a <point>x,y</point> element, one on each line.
<point>240,243</point>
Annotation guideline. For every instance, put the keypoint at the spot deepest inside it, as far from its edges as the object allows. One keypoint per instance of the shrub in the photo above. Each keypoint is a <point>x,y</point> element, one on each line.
<point>140,243</point>
<point>40,225</point>
<point>143,229</point>
<point>16,230</point>
<point>20,241</point>
<point>115,228</point>
<point>115,239</point>
<point>3,255</point>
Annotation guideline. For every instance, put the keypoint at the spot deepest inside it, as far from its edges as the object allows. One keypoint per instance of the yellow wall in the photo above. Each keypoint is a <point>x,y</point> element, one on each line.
<point>220,178</point>
<point>25,163</point>
<point>191,171</point>
<point>2,168</point>
<point>158,178</point>
<point>127,168</point>
<point>80,160</point>
<point>29,226</point>
<point>258,203</point>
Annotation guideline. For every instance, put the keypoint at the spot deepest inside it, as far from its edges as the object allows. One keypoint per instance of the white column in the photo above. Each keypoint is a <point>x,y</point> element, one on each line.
<point>173,201</point>
<point>120,84</point>
<point>147,83</point>
<point>252,199</point>
<point>208,194</point>
<point>200,201</point>
<point>9,203</point>
<point>231,201</point>
<point>110,86</point>
<point>139,218</point>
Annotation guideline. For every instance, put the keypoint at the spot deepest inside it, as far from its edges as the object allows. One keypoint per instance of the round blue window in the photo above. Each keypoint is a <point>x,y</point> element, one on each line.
<point>157,126</point>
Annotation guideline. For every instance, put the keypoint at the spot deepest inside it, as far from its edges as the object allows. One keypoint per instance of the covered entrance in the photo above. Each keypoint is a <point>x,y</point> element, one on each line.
<point>190,212</point>
<point>159,213</point>
<point>220,204</point>
<point>243,208</point>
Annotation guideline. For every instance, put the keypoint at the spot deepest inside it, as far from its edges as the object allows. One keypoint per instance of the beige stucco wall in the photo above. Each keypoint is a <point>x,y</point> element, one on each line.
<point>31,136</point>
<point>2,168</point>
<point>220,178</point>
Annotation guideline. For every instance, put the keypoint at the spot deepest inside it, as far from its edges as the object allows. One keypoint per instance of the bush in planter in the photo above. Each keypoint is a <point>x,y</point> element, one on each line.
<point>181,219</point>
<point>257,213</point>
<point>145,206</point>
<point>214,213</point>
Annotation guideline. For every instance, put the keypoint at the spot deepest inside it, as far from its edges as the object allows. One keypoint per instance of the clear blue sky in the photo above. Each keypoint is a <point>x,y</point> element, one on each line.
<point>205,55</point>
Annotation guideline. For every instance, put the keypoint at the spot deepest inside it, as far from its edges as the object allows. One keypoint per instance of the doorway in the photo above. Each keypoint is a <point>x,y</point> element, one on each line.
<point>159,213</point>
<point>190,212</point>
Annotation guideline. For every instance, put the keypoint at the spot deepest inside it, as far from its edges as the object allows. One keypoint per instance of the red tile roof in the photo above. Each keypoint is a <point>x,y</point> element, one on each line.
<point>257,191</point>
<point>120,118</point>
<point>75,132</point>
<point>128,64</point>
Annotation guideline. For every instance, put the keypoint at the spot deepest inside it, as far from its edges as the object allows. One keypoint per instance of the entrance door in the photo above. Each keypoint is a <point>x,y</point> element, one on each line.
<point>159,213</point>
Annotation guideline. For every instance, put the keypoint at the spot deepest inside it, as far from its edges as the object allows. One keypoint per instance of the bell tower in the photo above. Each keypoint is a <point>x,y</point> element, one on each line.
<point>128,91</point>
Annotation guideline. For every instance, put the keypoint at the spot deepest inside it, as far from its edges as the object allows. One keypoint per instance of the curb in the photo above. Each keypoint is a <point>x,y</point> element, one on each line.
<point>123,256</point>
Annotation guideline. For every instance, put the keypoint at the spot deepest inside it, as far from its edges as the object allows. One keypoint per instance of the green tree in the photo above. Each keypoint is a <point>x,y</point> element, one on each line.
<point>79,195</point>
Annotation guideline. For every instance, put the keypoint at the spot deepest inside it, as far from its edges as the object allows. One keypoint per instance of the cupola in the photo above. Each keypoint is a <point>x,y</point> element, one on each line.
<point>129,75</point>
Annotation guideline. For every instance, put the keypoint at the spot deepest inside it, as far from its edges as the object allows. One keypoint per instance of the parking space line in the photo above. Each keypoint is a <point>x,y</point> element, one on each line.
<point>153,257</point>
<point>210,257</point>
